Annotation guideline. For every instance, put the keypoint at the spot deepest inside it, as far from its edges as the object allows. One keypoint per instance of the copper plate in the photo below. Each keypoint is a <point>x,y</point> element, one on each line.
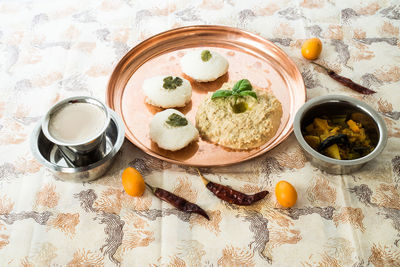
<point>249,56</point>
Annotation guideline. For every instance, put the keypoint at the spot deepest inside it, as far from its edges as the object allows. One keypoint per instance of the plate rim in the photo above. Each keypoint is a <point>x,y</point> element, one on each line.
<point>148,151</point>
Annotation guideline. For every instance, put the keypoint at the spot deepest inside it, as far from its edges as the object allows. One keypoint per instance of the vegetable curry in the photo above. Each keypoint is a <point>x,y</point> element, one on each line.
<point>338,137</point>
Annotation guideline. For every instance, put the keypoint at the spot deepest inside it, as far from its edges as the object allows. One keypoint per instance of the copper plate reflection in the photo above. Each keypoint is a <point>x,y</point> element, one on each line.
<point>249,56</point>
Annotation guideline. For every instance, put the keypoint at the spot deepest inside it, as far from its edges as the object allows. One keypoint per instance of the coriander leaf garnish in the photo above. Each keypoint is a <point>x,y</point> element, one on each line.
<point>241,89</point>
<point>206,55</point>
<point>176,120</point>
<point>242,85</point>
<point>172,83</point>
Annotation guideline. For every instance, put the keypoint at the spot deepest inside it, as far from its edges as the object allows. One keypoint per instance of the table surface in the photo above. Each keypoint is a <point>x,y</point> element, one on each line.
<point>50,50</point>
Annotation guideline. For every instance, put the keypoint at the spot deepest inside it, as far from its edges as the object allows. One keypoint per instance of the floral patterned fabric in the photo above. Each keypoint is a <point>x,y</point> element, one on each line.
<point>50,50</point>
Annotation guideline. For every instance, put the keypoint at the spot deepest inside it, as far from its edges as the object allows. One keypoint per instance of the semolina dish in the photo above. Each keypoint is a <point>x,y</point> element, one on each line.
<point>167,91</point>
<point>204,65</point>
<point>238,117</point>
<point>171,130</point>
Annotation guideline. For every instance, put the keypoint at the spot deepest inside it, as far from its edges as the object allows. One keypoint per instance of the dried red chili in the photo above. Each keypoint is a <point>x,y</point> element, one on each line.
<point>178,202</point>
<point>232,196</point>
<point>346,81</point>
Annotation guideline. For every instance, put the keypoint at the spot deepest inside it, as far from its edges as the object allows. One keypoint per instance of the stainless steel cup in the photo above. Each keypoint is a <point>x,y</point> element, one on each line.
<point>84,153</point>
<point>48,154</point>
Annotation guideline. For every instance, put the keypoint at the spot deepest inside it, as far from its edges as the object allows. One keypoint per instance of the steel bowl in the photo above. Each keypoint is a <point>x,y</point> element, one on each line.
<point>335,105</point>
<point>50,155</point>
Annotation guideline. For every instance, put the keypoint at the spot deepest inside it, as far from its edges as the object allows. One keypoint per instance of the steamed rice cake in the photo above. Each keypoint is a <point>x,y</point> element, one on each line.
<point>204,65</point>
<point>167,91</point>
<point>171,130</point>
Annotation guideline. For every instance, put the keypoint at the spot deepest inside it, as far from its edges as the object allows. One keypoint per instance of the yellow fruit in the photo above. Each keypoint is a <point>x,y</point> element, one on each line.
<point>133,182</point>
<point>311,48</point>
<point>285,194</point>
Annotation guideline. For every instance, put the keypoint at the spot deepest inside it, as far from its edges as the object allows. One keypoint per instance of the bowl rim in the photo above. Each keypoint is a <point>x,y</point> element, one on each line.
<point>54,167</point>
<point>368,110</point>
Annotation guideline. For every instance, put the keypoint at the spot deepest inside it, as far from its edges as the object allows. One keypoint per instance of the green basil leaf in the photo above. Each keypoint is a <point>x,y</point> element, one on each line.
<point>221,93</point>
<point>206,55</point>
<point>249,93</point>
<point>176,120</point>
<point>242,85</point>
<point>172,83</point>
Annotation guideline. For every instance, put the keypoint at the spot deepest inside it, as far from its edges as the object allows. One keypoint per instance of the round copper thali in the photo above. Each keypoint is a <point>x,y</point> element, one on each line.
<point>249,56</point>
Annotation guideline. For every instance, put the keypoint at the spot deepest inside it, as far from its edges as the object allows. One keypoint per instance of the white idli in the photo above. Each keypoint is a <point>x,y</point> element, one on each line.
<point>204,65</point>
<point>167,91</point>
<point>171,130</point>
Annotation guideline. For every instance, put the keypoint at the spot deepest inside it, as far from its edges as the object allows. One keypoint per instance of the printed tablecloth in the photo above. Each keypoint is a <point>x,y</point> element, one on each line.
<point>50,50</point>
